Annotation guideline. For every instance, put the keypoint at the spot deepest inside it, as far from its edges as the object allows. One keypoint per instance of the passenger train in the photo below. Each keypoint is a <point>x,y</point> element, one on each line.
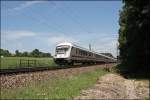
<point>69,53</point>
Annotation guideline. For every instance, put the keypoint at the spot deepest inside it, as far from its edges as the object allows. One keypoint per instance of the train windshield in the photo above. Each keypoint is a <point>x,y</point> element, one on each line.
<point>62,49</point>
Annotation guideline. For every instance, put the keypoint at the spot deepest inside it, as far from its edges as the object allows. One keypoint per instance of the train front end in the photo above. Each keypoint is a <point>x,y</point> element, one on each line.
<point>62,54</point>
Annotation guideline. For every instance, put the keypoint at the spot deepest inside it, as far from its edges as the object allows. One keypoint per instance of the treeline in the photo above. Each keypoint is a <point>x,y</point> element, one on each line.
<point>134,36</point>
<point>34,53</point>
<point>4,53</point>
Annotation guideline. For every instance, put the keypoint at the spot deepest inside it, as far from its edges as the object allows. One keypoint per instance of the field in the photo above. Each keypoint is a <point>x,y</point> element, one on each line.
<point>55,87</point>
<point>14,62</point>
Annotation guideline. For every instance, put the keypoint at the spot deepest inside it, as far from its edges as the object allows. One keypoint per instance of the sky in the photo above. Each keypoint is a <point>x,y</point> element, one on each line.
<point>26,25</point>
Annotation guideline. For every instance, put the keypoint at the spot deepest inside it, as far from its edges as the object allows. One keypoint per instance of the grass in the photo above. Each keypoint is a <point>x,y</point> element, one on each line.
<point>148,98</point>
<point>54,88</point>
<point>13,62</point>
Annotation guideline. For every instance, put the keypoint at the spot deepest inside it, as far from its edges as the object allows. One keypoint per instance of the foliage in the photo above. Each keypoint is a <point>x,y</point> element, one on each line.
<point>18,53</point>
<point>4,53</point>
<point>34,53</point>
<point>134,35</point>
<point>37,53</point>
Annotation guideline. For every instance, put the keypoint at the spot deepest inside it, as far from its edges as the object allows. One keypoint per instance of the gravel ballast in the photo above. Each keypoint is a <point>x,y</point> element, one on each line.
<point>23,79</point>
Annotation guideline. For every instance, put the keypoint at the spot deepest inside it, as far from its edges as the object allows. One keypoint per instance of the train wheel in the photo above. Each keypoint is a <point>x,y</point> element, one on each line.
<point>83,63</point>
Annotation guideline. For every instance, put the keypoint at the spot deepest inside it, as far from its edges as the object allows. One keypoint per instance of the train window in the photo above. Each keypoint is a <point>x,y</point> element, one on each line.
<point>62,49</point>
<point>90,54</point>
<point>79,52</point>
<point>76,51</point>
<point>72,48</point>
<point>82,52</point>
<point>86,53</point>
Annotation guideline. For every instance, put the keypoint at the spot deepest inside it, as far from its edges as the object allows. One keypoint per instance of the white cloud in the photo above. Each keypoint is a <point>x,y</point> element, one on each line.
<point>26,5</point>
<point>100,42</point>
<point>58,39</point>
<point>47,41</point>
<point>12,35</point>
<point>106,46</point>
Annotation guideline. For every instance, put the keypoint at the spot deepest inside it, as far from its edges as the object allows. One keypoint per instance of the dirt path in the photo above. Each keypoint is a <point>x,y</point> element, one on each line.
<point>113,86</point>
<point>130,89</point>
<point>19,80</point>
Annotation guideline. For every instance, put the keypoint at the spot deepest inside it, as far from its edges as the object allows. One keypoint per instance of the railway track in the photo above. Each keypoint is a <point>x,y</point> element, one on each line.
<point>22,70</point>
<point>22,79</point>
<point>36,69</point>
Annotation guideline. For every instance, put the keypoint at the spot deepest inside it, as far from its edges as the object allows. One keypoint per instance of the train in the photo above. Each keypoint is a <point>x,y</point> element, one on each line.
<point>69,53</point>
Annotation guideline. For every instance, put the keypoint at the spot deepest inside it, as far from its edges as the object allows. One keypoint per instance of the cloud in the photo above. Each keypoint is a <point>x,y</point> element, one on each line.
<point>58,39</point>
<point>12,35</point>
<point>47,41</point>
<point>107,45</point>
<point>100,42</point>
<point>26,5</point>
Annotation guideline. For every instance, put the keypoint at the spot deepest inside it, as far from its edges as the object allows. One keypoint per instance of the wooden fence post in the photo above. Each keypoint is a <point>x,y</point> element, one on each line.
<point>20,63</point>
<point>35,63</point>
<point>28,62</point>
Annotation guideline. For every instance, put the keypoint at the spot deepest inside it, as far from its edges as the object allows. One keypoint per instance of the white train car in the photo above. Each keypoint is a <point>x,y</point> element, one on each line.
<point>68,53</point>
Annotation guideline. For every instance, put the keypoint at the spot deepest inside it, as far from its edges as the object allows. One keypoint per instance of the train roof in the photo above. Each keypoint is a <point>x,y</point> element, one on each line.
<point>65,43</point>
<point>74,45</point>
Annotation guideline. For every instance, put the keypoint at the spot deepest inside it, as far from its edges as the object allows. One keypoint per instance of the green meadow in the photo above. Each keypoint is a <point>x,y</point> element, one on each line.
<point>14,62</point>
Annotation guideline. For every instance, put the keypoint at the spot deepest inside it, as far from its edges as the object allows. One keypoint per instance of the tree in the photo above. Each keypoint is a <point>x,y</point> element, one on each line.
<point>17,53</point>
<point>4,53</point>
<point>25,54</point>
<point>35,53</point>
<point>134,35</point>
<point>46,55</point>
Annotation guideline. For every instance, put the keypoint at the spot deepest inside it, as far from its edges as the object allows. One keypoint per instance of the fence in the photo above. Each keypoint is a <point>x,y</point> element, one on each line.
<point>17,62</point>
<point>27,63</point>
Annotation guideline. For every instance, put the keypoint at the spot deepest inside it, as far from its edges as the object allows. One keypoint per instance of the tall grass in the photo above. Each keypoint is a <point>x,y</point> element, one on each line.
<point>54,88</point>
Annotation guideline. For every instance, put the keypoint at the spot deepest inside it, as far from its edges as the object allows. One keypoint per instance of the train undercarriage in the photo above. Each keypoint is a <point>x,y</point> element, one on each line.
<point>65,61</point>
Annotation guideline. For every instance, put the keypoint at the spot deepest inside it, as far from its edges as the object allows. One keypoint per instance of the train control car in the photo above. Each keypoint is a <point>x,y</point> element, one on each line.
<point>69,53</point>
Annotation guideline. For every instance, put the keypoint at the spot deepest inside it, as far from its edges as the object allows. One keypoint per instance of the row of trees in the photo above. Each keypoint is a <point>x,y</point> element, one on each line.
<point>4,53</point>
<point>134,36</point>
<point>34,53</point>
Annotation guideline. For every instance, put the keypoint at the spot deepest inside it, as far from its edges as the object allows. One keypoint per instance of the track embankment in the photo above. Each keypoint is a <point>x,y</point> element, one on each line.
<point>24,79</point>
<point>114,86</point>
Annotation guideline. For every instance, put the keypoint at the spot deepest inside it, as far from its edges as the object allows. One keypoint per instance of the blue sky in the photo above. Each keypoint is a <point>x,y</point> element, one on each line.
<point>26,25</point>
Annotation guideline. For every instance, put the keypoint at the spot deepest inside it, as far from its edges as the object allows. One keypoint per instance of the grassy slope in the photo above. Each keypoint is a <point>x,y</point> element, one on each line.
<point>56,88</point>
<point>13,62</point>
